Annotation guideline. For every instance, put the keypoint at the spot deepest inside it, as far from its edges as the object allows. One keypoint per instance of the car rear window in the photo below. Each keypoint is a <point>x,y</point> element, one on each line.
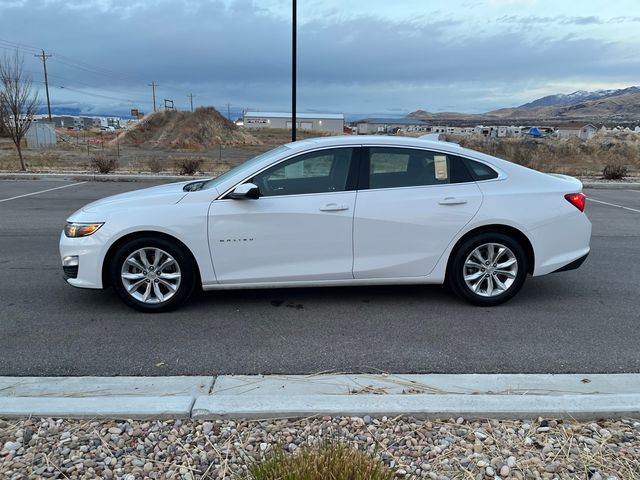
<point>480,171</point>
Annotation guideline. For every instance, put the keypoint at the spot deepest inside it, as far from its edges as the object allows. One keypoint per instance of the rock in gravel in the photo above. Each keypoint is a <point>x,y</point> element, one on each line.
<point>11,446</point>
<point>207,428</point>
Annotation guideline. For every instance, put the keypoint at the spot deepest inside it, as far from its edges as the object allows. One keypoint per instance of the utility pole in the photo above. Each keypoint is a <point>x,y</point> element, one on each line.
<point>191,100</point>
<point>294,48</point>
<point>153,86</point>
<point>229,111</point>
<point>46,79</point>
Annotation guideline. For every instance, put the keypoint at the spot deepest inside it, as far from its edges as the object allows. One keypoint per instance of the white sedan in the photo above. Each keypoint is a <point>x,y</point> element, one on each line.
<point>334,211</point>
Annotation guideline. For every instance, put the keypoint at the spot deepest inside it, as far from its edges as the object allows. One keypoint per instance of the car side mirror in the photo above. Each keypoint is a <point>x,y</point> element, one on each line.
<point>244,191</point>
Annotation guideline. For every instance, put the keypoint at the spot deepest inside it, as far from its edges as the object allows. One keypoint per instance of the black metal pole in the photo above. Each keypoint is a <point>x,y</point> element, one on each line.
<point>294,48</point>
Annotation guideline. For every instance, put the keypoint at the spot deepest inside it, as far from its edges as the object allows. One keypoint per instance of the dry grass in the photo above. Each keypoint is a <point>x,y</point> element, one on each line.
<point>569,156</point>
<point>336,461</point>
<point>279,136</point>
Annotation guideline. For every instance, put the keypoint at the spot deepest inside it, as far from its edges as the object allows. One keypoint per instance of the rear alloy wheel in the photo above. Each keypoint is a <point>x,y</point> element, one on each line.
<point>152,274</point>
<point>488,269</point>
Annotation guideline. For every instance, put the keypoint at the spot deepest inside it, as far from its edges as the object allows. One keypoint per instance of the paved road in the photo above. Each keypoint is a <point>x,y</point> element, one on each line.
<point>582,321</point>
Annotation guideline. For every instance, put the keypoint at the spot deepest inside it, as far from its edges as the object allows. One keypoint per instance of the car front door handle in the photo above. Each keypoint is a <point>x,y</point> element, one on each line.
<point>334,207</point>
<point>452,201</point>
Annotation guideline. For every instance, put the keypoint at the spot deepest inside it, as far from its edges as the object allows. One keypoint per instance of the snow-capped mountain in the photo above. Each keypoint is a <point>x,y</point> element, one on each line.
<point>563,100</point>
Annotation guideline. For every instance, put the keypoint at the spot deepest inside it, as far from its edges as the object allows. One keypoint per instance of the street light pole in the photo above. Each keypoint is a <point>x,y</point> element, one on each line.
<point>294,47</point>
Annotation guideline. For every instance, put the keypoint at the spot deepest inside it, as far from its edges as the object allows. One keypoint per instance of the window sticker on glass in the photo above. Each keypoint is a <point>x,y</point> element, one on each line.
<point>440,165</point>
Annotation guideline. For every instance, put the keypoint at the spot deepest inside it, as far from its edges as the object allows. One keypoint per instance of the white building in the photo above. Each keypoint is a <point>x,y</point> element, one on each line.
<point>40,135</point>
<point>580,130</point>
<point>383,126</point>
<point>322,122</point>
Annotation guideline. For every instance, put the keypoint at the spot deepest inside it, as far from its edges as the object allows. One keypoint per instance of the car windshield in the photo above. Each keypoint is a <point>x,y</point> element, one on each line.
<point>246,166</point>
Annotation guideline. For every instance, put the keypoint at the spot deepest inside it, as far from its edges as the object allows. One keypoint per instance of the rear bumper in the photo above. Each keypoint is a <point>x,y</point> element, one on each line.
<point>561,242</point>
<point>573,265</point>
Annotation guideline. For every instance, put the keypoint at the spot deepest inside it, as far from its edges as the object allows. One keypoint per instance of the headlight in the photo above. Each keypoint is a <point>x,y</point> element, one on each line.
<point>74,230</point>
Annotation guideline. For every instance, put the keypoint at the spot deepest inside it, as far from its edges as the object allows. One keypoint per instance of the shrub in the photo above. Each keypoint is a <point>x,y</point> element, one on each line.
<point>614,171</point>
<point>330,461</point>
<point>154,165</point>
<point>104,164</point>
<point>189,166</point>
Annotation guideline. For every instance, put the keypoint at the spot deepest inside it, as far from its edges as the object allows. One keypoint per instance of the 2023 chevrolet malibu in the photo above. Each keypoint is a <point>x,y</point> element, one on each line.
<point>334,211</point>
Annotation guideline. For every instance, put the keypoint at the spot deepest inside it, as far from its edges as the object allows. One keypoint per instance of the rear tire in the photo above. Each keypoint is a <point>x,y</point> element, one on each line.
<point>488,269</point>
<point>153,274</point>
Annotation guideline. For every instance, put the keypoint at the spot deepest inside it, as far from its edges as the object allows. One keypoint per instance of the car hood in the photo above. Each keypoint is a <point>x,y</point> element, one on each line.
<point>161,195</point>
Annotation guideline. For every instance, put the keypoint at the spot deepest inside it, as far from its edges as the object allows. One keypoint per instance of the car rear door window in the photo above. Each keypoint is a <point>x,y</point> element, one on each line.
<point>406,167</point>
<point>316,172</point>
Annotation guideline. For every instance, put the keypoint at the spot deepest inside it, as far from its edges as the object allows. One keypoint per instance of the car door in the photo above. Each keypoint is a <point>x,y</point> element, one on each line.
<point>301,227</point>
<point>411,204</point>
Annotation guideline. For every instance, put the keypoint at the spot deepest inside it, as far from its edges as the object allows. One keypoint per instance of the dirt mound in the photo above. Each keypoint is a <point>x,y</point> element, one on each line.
<point>202,128</point>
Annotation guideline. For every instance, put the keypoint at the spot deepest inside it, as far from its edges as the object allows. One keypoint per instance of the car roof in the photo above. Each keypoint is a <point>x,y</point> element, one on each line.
<point>345,140</point>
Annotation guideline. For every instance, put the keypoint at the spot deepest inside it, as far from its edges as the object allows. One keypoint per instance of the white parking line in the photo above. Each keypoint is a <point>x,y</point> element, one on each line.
<point>613,205</point>
<point>41,191</point>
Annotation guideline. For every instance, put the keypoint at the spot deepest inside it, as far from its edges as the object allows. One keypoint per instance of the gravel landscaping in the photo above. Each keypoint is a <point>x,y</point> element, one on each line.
<point>437,449</point>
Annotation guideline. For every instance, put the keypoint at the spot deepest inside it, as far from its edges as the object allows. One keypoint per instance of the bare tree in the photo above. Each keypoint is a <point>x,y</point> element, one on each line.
<point>18,101</point>
<point>3,128</point>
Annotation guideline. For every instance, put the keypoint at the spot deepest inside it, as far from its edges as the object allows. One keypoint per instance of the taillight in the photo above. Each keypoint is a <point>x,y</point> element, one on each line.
<point>577,200</point>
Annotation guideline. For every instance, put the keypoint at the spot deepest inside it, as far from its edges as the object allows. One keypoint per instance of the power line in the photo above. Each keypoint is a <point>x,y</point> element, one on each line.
<point>85,84</point>
<point>19,46</point>
<point>191,100</point>
<point>78,64</point>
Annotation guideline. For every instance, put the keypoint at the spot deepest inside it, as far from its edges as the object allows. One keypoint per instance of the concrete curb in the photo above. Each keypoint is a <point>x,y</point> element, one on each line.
<point>438,406</point>
<point>120,407</point>
<point>107,177</point>
<point>611,185</point>
<point>257,396</point>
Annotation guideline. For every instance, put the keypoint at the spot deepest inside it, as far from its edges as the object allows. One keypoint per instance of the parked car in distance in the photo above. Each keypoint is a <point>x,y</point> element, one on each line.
<point>334,211</point>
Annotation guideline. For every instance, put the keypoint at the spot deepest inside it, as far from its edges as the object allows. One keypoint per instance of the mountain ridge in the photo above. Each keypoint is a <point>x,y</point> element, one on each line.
<point>602,106</point>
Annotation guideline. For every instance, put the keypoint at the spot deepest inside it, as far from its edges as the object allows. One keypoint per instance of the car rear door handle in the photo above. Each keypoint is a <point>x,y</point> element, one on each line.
<point>452,201</point>
<point>334,207</point>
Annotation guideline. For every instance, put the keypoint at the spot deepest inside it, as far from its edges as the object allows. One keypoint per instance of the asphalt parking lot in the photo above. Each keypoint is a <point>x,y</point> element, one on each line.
<point>586,320</point>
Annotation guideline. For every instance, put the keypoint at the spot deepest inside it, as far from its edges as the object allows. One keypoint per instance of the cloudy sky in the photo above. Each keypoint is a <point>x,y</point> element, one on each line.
<point>355,56</point>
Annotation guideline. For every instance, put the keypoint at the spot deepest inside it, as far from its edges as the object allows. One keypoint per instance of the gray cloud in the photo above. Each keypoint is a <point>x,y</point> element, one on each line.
<point>241,54</point>
<point>564,20</point>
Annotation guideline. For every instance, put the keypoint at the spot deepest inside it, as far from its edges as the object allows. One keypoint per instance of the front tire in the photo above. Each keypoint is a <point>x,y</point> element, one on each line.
<point>153,274</point>
<point>488,269</point>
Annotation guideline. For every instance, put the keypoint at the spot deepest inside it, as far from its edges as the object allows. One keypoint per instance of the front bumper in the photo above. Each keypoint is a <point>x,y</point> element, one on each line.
<point>87,273</point>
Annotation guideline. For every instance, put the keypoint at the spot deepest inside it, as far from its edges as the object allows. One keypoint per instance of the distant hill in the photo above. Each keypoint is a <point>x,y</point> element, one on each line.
<point>603,106</point>
<point>581,96</point>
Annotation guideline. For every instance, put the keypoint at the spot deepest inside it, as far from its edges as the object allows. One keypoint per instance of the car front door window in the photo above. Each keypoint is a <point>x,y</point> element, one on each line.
<point>316,172</point>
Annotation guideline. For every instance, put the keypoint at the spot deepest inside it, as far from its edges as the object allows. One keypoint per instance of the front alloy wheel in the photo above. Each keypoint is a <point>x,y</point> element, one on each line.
<point>153,274</point>
<point>488,269</point>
